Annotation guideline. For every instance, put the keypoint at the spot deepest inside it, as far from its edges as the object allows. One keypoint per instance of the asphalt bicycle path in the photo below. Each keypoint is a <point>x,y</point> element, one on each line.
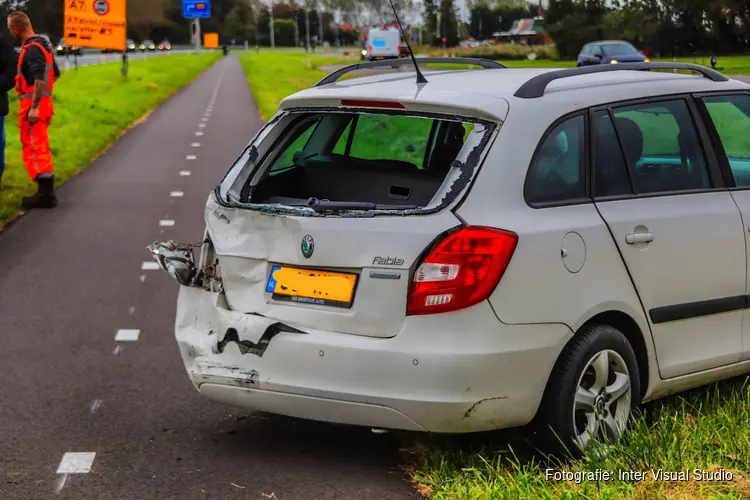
<point>72,277</point>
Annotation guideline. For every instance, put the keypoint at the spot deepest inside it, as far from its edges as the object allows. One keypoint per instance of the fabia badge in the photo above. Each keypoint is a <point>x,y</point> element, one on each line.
<point>308,246</point>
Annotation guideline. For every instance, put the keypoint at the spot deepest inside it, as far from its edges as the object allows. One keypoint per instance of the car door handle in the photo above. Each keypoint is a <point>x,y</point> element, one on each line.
<point>633,238</point>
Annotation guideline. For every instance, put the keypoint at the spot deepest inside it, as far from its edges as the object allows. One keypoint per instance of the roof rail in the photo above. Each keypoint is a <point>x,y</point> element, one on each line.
<point>484,63</point>
<point>536,86</point>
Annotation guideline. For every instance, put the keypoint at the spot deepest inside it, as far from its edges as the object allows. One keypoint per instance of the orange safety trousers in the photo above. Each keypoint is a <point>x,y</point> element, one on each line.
<point>37,157</point>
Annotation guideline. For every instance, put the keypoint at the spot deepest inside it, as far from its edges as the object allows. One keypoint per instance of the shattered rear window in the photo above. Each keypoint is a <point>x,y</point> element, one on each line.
<point>365,161</point>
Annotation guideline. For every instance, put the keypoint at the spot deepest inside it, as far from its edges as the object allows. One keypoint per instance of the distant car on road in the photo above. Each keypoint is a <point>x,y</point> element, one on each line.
<point>610,52</point>
<point>148,45</point>
<point>65,49</point>
<point>165,45</point>
<point>130,45</point>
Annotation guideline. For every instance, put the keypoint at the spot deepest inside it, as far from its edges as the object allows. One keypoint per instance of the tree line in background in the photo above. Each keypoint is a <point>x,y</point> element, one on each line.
<point>660,27</point>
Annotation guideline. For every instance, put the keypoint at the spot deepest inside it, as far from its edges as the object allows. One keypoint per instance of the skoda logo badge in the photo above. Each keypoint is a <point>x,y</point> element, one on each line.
<point>308,245</point>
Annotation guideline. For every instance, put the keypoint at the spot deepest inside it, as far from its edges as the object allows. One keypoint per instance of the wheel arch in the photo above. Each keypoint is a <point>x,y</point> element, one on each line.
<point>624,323</point>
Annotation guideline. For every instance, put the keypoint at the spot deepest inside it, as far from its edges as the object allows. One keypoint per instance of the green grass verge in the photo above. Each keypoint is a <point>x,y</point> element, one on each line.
<point>704,430</point>
<point>275,75</point>
<point>93,106</point>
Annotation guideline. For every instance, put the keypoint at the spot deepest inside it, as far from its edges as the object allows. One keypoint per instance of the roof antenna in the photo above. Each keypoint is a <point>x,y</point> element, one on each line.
<point>420,76</point>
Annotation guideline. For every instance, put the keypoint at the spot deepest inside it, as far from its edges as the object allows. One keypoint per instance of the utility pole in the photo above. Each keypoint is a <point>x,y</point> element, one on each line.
<point>197,35</point>
<point>307,27</point>
<point>270,27</point>
<point>320,24</point>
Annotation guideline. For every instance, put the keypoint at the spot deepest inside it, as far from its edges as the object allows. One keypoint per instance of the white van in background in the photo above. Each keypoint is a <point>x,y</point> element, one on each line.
<point>383,43</point>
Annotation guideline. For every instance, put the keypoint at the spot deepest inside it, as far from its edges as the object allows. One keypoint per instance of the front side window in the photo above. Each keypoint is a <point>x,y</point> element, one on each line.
<point>657,142</point>
<point>557,172</point>
<point>730,115</point>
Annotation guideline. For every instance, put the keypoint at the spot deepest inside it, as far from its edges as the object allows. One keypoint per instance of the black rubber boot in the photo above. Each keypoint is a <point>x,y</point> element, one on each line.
<point>45,197</point>
<point>33,200</point>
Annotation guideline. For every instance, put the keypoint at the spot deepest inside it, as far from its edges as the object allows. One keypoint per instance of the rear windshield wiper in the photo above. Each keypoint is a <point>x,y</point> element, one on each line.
<point>336,206</point>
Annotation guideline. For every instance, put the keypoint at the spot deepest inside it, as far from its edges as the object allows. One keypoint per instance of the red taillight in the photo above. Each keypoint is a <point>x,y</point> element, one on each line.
<point>462,270</point>
<point>399,47</point>
<point>369,48</point>
<point>356,103</point>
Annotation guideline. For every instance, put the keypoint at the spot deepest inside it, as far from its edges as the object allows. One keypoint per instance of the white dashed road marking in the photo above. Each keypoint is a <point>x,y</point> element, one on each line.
<point>199,133</point>
<point>204,119</point>
<point>184,173</point>
<point>149,266</point>
<point>116,351</point>
<point>196,144</point>
<point>143,278</point>
<point>202,125</point>
<point>176,194</point>
<point>131,311</point>
<point>95,404</point>
<point>76,462</point>
<point>127,335</point>
<point>191,157</point>
<point>166,223</point>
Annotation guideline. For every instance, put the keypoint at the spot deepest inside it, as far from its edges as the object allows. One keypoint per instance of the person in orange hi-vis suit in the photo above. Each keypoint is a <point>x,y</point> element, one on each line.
<point>35,80</point>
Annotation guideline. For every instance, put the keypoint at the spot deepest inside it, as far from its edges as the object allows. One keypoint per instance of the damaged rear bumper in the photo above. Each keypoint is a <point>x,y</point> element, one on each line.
<point>487,375</point>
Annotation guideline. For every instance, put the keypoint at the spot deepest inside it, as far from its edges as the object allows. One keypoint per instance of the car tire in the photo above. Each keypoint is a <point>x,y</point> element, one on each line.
<point>587,392</point>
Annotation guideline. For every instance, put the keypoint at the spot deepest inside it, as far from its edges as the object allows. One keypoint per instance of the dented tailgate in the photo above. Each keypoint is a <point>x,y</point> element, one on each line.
<point>378,252</point>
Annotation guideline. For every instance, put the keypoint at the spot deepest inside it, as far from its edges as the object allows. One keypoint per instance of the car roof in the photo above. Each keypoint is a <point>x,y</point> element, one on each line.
<point>609,42</point>
<point>489,92</point>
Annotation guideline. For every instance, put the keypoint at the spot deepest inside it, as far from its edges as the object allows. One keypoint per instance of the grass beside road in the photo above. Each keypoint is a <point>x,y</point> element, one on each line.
<point>275,75</point>
<point>706,429</point>
<point>93,106</point>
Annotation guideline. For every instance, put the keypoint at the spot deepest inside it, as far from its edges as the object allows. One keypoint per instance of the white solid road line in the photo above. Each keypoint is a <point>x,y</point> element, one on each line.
<point>166,223</point>
<point>184,173</point>
<point>149,266</point>
<point>191,157</point>
<point>127,335</point>
<point>76,462</point>
<point>176,194</point>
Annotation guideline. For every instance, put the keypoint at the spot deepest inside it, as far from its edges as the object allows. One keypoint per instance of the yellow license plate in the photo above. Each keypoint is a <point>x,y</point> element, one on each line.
<point>308,286</point>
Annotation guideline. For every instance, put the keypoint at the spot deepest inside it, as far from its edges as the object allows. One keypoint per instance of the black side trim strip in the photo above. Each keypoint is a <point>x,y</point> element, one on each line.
<point>677,312</point>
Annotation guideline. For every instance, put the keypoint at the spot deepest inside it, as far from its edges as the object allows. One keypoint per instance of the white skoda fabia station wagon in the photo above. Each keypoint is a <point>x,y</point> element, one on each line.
<point>489,249</point>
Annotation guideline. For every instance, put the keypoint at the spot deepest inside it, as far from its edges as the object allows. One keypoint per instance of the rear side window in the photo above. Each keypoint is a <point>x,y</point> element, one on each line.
<point>655,144</point>
<point>286,159</point>
<point>730,115</point>
<point>557,172</point>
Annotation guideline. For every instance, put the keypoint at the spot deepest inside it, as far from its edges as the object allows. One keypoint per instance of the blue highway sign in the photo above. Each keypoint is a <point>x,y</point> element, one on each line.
<point>196,9</point>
